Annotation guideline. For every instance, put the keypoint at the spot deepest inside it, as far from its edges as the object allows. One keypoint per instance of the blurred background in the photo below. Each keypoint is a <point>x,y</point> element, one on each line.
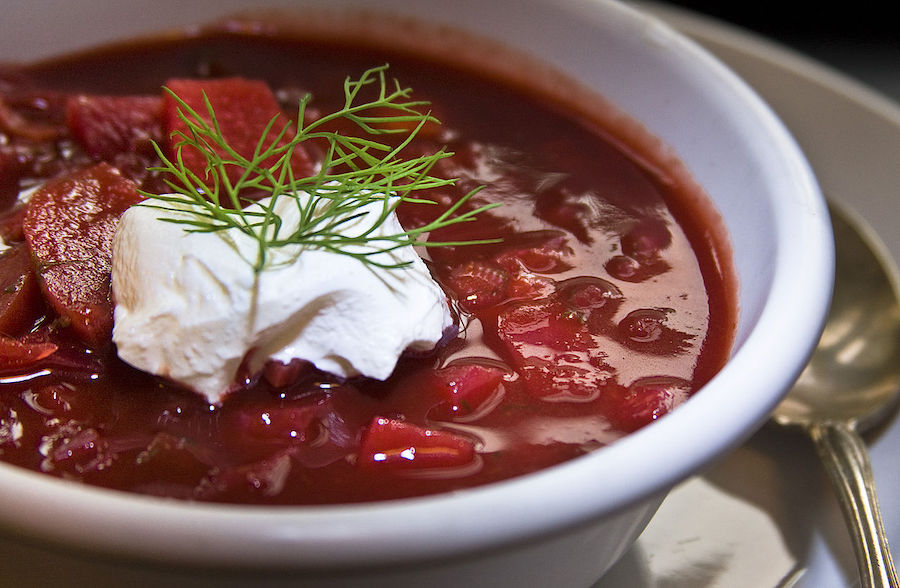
<point>863,43</point>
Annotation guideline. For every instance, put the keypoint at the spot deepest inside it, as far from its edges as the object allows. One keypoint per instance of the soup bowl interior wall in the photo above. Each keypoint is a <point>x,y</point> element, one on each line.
<point>564,525</point>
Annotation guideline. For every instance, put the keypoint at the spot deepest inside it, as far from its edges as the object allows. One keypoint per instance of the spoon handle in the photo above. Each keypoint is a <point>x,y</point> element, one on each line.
<point>846,460</point>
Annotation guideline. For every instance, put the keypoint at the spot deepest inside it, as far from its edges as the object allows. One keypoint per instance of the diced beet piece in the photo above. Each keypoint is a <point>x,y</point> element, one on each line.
<point>524,285</point>
<point>644,401</point>
<point>15,123</point>
<point>11,224</point>
<point>261,428</point>
<point>588,294</point>
<point>556,380</point>
<point>9,178</point>
<point>646,239</point>
<point>594,299</point>
<point>542,323</point>
<point>553,349</point>
<point>16,354</point>
<point>266,477</point>
<point>466,386</point>
<point>537,251</point>
<point>399,446</point>
<point>478,284</point>
<point>243,109</point>
<point>20,297</point>
<point>69,227</point>
<point>110,125</point>
<point>287,425</point>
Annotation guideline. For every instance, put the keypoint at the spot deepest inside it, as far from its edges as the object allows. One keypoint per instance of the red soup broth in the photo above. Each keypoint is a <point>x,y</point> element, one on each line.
<point>608,302</point>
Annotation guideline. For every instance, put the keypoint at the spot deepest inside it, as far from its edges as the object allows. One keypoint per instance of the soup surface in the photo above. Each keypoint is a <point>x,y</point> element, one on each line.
<point>605,304</point>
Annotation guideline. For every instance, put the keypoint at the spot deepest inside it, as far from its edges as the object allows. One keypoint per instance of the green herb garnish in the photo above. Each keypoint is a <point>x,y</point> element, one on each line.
<point>356,171</point>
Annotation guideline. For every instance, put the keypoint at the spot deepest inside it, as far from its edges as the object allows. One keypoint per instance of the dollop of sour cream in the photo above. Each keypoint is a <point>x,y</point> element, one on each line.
<point>189,306</point>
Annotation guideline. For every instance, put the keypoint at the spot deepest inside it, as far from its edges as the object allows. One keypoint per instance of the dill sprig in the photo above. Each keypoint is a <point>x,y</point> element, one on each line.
<point>357,171</point>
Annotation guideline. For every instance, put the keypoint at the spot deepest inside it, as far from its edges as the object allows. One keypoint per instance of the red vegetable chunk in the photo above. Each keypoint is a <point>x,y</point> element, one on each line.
<point>467,386</point>
<point>9,177</point>
<point>478,284</point>
<point>262,432</point>
<point>542,327</point>
<point>20,297</point>
<point>537,251</point>
<point>263,478</point>
<point>399,446</point>
<point>11,224</point>
<point>16,354</point>
<point>107,126</point>
<point>553,349</point>
<point>243,108</point>
<point>69,227</point>
<point>645,401</point>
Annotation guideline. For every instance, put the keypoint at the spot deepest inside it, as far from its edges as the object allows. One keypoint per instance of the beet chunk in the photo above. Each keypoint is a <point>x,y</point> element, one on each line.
<point>9,177</point>
<point>242,107</point>
<point>20,297</point>
<point>646,400</point>
<point>69,227</point>
<point>11,224</point>
<point>399,446</point>
<point>16,354</point>
<point>467,388</point>
<point>478,284</point>
<point>109,125</point>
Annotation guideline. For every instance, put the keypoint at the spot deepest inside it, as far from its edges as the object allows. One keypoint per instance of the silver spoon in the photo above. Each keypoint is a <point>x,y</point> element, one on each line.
<point>852,384</point>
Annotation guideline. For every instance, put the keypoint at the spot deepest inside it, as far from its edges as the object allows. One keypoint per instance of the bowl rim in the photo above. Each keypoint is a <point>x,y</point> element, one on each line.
<point>308,537</point>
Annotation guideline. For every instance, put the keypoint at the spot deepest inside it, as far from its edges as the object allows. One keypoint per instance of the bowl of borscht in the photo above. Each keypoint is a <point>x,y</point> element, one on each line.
<point>334,293</point>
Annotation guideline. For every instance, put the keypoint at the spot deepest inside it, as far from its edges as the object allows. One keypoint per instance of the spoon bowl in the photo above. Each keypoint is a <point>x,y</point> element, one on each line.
<point>853,382</point>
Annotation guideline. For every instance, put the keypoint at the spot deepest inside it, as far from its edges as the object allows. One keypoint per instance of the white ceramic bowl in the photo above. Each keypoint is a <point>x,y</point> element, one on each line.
<point>565,525</point>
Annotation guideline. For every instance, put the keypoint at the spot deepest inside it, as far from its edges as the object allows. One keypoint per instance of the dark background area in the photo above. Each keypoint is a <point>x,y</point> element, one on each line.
<point>864,22</point>
<point>860,39</point>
